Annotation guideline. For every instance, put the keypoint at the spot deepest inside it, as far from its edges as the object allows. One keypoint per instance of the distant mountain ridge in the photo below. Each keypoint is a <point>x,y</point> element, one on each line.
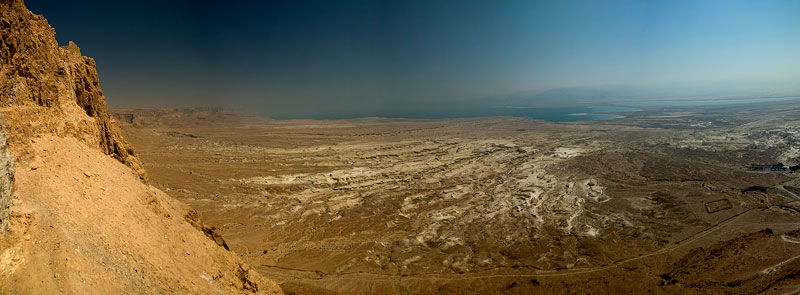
<point>180,116</point>
<point>614,93</point>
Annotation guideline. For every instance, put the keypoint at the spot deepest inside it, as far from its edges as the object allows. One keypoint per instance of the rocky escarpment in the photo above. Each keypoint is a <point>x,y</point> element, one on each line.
<point>182,116</point>
<point>76,212</point>
<point>37,73</point>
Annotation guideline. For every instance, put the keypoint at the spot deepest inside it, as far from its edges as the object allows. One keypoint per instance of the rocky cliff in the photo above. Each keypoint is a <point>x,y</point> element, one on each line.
<point>36,72</point>
<point>76,213</point>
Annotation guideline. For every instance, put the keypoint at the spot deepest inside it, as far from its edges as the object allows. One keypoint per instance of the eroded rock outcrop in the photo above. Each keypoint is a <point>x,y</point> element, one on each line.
<point>76,213</point>
<point>36,72</point>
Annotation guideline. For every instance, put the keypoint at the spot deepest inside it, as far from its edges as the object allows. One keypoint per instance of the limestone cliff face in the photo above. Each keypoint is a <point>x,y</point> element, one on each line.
<point>37,73</point>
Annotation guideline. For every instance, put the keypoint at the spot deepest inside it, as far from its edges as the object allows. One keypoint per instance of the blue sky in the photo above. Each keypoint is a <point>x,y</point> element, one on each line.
<point>300,58</point>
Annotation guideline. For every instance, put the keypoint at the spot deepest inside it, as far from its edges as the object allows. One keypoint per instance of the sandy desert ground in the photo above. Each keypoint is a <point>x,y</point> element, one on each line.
<point>662,201</point>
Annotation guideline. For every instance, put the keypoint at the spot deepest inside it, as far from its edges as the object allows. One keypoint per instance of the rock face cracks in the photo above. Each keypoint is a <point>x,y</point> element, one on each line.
<point>6,182</point>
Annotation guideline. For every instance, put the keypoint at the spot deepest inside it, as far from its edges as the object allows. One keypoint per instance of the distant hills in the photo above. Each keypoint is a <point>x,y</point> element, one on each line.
<point>611,93</point>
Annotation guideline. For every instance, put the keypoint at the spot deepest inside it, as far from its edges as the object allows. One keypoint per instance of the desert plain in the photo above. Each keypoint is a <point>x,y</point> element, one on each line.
<point>675,200</point>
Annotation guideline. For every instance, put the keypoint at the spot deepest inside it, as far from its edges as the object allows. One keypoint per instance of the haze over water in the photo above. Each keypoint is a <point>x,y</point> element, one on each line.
<point>307,59</point>
<point>557,114</point>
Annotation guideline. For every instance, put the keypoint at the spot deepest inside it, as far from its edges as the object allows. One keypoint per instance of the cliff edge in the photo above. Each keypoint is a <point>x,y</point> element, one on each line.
<point>76,212</point>
<point>38,73</point>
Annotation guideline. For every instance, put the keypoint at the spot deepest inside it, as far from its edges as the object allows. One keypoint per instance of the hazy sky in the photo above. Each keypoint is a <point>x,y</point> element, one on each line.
<point>285,58</point>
